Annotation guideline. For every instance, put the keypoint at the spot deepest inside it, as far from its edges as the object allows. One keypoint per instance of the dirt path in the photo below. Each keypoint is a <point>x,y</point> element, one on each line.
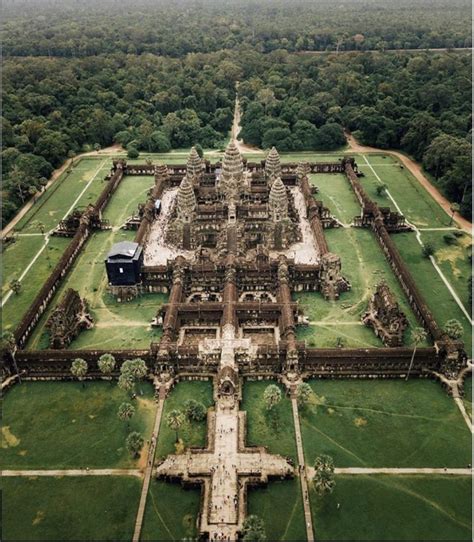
<point>113,149</point>
<point>416,170</point>
<point>236,128</point>
<point>74,472</point>
<point>397,471</point>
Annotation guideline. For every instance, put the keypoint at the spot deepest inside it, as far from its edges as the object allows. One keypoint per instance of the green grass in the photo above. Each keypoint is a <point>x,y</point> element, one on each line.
<point>384,507</point>
<point>281,508</point>
<point>414,201</point>
<point>15,258</point>
<point>69,508</point>
<point>171,512</point>
<point>64,425</point>
<point>385,424</point>
<point>437,296</point>
<point>55,202</point>
<point>192,434</point>
<point>337,195</point>
<point>364,265</point>
<point>273,429</point>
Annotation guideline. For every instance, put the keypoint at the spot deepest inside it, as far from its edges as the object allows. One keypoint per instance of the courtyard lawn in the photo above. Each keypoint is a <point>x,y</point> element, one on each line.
<point>69,508</point>
<point>280,506</point>
<point>377,423</point>
<point>62,425</point>
<point>453,260</point>
<point>414,201</point>
<point>336,194</point>
<point>274,429</point>
<point>436,294</point>
<point>171,512</point>
<point>364,265</point>
<point>15,258</point>
<point>192,433</point>
<point>75,189</point>
<point>381,507</point>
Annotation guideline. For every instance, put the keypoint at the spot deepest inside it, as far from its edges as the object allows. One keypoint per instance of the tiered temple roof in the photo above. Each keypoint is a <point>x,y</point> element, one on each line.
<point>186,199</point>
<point>272,165</point>
<point>231,182</point>
<point>194,164</point>
<point>278,200</point>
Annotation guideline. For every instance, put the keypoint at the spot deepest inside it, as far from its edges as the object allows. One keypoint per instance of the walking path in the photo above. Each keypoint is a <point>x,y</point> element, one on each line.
<point>303,473</point>
<point>420,242</point>
<point>397,471</point>
<point>236,128</point>
<point>416,170</point>
<point>149,466</point>
<point>48,234</point>
<point>73,472</point>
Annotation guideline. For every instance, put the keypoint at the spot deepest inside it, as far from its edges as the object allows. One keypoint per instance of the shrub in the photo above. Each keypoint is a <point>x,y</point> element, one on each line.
<point>428,250</point>
<point>133,153</point>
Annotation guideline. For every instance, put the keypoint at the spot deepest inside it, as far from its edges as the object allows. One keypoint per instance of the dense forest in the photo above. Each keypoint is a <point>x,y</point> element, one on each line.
<point>72,28</point>
<point>86,76</point>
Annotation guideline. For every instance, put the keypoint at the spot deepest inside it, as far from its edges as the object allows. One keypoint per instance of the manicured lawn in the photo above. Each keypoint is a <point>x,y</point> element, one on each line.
<point>385,424</point>
<point>414,201</point>
<point>431,286</point>
<point>453,260</point>
<point>69,508</point>
<point>336,194</point>
<point>15,258</point>
<point>171,512</point>
<point>55,202</point>
<point>364,265</point>
<point>381,507</point>
<point>65,425</point>
<point>192,434</point>
<point>274,429</point>
<point>281,508</point>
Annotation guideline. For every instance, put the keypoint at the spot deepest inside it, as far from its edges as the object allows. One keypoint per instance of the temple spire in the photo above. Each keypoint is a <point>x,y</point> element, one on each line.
<point>272,165</point>
<point>231,182</point>
<point>186,200</point>
<point>194,165</point>
<point>278,201</point>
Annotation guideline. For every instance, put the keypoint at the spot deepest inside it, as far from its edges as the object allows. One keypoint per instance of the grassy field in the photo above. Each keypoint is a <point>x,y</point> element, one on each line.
<point>281,508</point>
<point>364,265</point>
<point>69,508</point>
<point>171,512</point>
<point>120,325</point>
<point>385,424</point>
<point>192,434</point>
<point>431,286</point>
<point>414,201</point>
<point>273,429</point>
<point>61,425</point>
<point>395,508</point>
<point>337,195</point>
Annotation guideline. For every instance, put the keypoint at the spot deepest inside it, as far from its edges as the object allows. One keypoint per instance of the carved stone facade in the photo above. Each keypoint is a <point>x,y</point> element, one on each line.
<point>68,318</point>
<point>385,317</point>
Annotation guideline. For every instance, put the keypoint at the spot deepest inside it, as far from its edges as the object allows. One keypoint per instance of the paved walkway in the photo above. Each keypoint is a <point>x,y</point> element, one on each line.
<point>73,472</point>
<point>397,471</point>
<point>149,467</point>
<point>303,473</point>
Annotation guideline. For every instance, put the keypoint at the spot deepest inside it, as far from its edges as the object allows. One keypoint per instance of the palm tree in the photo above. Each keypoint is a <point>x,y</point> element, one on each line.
<point>175,420</point>
<point>135,369</point>
<point>134,443</point>
<point>303,394</point>
<point>324,481</point>
<point>454,207</point>
<point>418,335</point>
<point>106,364</point>
<point>453,328</point>
<point>79,369</point>
<point>8,345</point>
<point>253,529</point>
<point>127,383</point>
<point>126,412</point>
<point>271,396</point>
